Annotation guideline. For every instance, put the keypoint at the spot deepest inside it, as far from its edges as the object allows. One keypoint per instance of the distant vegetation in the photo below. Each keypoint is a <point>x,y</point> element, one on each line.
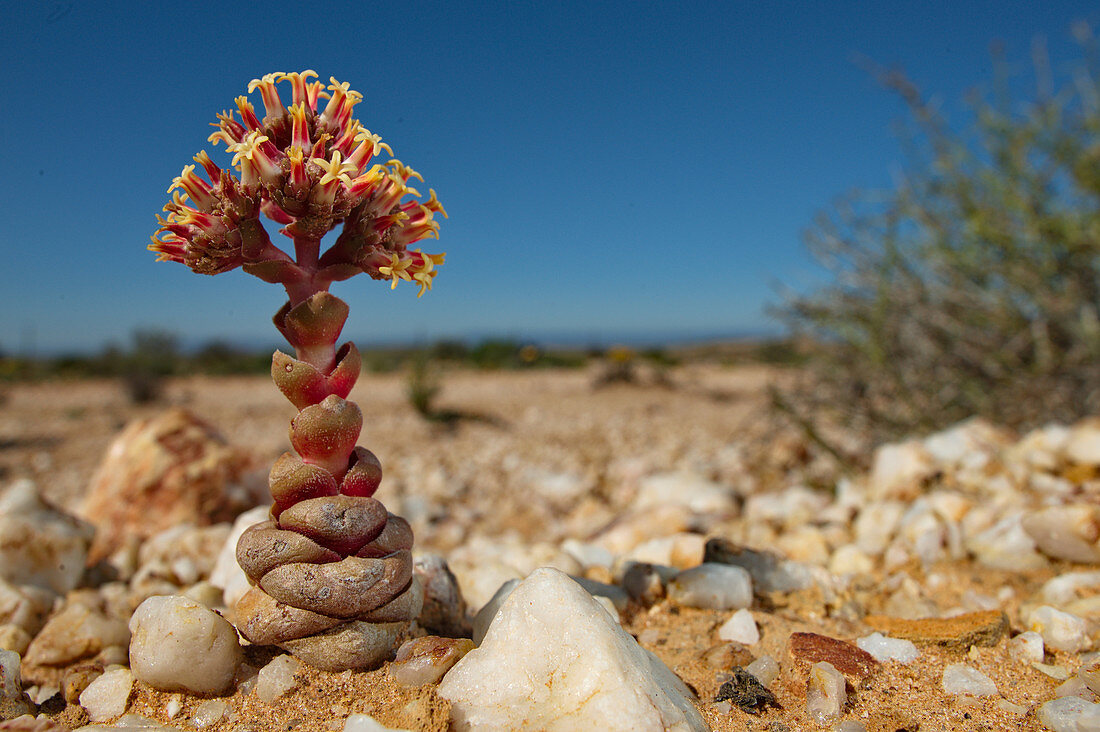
<point>972,288</point>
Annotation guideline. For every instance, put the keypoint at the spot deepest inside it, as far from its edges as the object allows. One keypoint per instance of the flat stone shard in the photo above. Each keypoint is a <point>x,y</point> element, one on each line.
<point>554,659</point>
<point>985,628</point>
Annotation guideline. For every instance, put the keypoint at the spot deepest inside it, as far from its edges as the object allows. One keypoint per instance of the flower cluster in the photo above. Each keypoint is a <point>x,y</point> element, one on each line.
<point>310,169</point>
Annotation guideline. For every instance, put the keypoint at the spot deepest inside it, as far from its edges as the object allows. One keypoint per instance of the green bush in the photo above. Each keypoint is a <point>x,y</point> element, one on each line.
<point>971,288</point>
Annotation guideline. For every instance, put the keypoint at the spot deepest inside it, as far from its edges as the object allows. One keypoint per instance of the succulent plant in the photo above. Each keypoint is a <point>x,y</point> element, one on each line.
<point>331,569</point>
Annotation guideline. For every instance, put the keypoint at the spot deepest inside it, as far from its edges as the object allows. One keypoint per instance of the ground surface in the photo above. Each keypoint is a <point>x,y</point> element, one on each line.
<point>471,479</point>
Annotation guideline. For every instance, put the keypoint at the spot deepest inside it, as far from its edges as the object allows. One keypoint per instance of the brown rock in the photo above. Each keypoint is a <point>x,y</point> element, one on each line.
<point>444,609</point>
<point>163,471</point>
<point>425,660</point>
<point>846,658</point>
<point>984,628</point>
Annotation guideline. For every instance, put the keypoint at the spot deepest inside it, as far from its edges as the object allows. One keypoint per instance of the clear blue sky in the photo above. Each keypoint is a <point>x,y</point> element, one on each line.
<point>610,169</point>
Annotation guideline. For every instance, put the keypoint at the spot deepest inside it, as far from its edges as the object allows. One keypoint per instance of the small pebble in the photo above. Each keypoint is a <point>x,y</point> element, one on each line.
<point>885,649</point>
<point>1027,647</point>
<point>765,669</point>
<point>172,708</point>
<point>850,725</point>
<point>1061,631</point>
<point>277,678</point>
<point>712,586</point>
<point>826,693</point>
<point>1069,714</point>
<point>740,628</point>
<point>959,679</point>
<point>209,712</point>
<point>425,660</point>
<point>366,723</point>
<point>107,696</point>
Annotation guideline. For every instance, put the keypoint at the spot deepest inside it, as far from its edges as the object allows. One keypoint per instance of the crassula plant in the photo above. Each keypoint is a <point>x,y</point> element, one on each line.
<point>331,569</point>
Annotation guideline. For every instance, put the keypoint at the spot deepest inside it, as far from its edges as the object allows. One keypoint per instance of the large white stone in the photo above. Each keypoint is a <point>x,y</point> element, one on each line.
<point>179,645</point>
<point>554,659</point>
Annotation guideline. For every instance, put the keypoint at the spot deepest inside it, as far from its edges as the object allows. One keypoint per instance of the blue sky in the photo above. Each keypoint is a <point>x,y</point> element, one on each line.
<point>611,170</point>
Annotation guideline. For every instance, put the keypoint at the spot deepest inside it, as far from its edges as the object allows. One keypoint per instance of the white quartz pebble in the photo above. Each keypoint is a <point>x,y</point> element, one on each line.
<point>209,712</point>
<point>277,678</point>
<point>888,649</point>
<point>826,693</point>
<point>712,586</point>
<point>740,628</point>
<point>366,723</point>
<point>1070,714</point>
<point>1027,647</point>
<point>765,669</point>
<point>1061,631</point>
<point>107,696</point>
<point>179,645</point>
<point>958,678</point>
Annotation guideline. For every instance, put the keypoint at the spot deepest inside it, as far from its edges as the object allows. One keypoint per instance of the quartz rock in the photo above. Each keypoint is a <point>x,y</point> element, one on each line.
<point>1027,647</point>
<point>741,628</point>
<point>425,660</point>
<point>79,630</point>
<point>886,649</point>
<point>765,669</point>
<point>1069,714</point>
<point>1069,532</point>
<point>1082,444</point>
<point>25,606</point>
<point>366,723</point>
<point>107,696</point>
<point>553,658</point>
<point>691,490</point>
<point>209,712</point>
<point>180,645</point>
<point>770,572</point>
<point>1061,631</point>
<point>40,545</point>
<point>165,471</point>
<point>1006,545</point>
<point>485,615</point>
<point>277,678</point>
<point>1066,588</point>
<point>227,573</point>
<point>959,678</point>
<point>712,586</point>
<point>899,469</point>
<point>826,693</point>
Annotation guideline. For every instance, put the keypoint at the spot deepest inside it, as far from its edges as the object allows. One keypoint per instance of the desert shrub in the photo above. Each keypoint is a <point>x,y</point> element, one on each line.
<point>971,288</point>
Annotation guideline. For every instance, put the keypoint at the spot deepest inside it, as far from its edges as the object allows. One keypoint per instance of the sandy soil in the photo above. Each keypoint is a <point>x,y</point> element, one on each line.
<point>543,421</point>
